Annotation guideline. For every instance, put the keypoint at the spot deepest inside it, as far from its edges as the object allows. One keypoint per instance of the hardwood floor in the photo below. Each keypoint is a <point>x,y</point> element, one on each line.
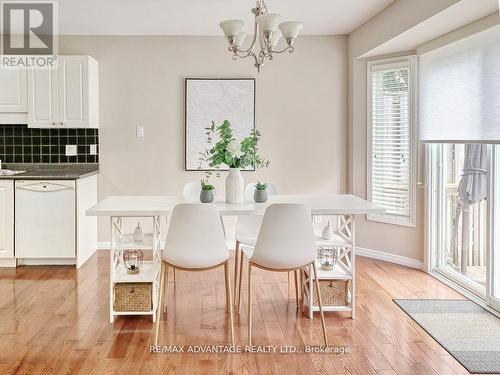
<point>54,320</point>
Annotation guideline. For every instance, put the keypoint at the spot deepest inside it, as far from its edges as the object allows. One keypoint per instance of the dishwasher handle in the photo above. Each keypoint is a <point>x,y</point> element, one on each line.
<point>43,186</point>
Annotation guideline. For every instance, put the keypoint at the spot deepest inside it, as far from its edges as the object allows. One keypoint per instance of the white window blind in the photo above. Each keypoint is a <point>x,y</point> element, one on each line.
<point>390,140</point>
<point>459,91</point>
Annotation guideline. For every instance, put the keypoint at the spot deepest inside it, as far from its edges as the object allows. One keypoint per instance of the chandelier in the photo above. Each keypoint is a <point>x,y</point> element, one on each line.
<point>265,30</point>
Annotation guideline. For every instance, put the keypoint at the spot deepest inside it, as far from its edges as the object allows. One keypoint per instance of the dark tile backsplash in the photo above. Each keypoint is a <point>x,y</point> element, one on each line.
<point>20,144</point>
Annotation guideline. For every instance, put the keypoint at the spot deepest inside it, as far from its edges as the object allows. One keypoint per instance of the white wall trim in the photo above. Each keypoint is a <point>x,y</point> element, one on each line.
<point>8,262</point>
<point>389,257</point>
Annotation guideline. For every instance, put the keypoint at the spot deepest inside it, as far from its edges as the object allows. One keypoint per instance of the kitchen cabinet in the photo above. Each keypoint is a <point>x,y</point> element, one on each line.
<point>7,223</point>
<point>66,96</point>
<point>42,98</point>
<point>13,95</point>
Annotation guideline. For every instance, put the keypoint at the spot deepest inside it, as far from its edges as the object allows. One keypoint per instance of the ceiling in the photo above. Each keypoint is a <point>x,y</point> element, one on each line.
<point>453,17</point>
<point>201,17</point>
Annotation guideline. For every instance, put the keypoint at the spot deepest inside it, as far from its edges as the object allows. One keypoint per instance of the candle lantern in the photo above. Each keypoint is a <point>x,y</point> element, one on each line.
<point>132,259</point>
<point>328,257</point>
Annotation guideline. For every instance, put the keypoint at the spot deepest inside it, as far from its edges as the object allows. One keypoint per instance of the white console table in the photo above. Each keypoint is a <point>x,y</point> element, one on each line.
<point>119,207</point>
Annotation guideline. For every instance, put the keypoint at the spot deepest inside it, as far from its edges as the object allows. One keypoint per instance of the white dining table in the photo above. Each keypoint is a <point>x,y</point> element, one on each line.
<point>162,205</point>
<point>345,206</point>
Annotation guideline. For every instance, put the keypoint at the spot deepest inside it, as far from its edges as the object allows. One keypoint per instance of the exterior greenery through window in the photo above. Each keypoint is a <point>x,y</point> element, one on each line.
<point>391,180</point>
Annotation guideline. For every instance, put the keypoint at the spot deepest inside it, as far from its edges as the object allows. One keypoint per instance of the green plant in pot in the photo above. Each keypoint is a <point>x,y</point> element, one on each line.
<point>225,150</point>
<point>207,192</point>
<point>260,193</point>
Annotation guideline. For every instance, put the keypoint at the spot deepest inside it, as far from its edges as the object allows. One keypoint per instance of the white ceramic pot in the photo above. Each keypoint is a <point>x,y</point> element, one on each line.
<point>235,186</point>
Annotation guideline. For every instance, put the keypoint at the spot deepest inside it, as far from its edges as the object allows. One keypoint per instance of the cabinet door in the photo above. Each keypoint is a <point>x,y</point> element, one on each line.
<point>6,219</point>
<point>73,91</point>
<point>13,90</point>
<point>42,98</point>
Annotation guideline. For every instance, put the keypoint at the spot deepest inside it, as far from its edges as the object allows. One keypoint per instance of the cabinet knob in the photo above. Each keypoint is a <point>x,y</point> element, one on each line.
<point>53,123</point>
<point>61,123</point>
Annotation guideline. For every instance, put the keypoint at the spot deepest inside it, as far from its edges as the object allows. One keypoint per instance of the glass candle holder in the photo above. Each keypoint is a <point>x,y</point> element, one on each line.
<point>328,257</point>
<point>133,259</point>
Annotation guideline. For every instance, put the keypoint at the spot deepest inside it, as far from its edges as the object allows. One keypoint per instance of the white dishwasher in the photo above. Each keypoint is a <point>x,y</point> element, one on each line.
<point>45,219</point>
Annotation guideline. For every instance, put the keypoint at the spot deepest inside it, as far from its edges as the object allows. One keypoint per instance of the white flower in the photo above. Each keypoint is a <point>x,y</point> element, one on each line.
<point>234,148</point>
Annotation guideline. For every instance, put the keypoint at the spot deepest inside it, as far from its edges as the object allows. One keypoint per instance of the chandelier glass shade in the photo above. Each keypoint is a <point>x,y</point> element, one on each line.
<point>268,32</point>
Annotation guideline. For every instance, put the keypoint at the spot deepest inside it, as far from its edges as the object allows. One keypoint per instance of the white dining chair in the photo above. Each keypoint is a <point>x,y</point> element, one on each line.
<point>195,242</point>
<point>285,243</point>
<point>191,191</point>
<point>247,227</point>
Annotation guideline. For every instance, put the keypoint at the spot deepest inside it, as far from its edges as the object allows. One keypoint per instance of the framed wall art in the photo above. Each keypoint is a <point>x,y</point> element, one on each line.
<point>216,99</point>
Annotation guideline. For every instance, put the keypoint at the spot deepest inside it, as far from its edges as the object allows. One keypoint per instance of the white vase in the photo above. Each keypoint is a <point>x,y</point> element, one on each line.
<point>327,232</point>
<point>235,186</point>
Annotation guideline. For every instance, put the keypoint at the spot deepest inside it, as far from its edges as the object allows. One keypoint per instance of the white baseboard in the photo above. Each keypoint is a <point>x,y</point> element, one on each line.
<point>389,257</point>
<point>10,262</point>
<point>46,261</point>
<point>361,251</point>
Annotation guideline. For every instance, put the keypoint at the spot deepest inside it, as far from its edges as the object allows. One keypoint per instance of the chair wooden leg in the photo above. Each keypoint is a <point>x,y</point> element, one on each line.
<point>301,280</point>
<point>229,299</point>
<point>296,281</point>
<point>159,307</point>
<point>165,282</point>
<point>238,304</point>
<point>236,263</point>
<point>174,276</point>
<point>288,285</point>
<point>249,303</point>
<point>320,303</point>
<point>226,289</point>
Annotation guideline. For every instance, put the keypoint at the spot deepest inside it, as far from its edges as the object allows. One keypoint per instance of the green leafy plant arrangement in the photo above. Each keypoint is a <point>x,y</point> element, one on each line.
<point>260,186</point>
<point>229,151</point>
<point>206,186</point>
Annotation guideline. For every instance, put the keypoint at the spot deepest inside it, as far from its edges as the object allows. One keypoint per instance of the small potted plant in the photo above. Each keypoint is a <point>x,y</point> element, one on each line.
<point>225,150</point>
<point>260,194</point>
<point>207,192</point>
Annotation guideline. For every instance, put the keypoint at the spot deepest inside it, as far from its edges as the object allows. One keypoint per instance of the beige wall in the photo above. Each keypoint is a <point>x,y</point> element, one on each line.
<point>392,21</point>
<point>300,110</point>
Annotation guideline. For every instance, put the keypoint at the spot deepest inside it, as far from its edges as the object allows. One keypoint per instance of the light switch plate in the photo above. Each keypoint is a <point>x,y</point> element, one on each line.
<point>71,150</point>
<point>139,131</point>
<point>93,150</point>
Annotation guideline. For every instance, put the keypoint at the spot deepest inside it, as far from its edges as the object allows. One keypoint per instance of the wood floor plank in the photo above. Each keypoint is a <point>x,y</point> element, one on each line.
<point>54,320</point>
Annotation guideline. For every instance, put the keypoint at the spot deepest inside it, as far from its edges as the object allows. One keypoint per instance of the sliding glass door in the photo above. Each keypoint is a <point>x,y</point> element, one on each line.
<point>465,217</point>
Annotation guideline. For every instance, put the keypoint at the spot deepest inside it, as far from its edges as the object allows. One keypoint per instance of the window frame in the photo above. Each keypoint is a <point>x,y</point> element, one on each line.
<point>403,61</point>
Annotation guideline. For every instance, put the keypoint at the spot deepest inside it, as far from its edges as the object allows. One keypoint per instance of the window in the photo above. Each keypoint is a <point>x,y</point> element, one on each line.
<point>391,135</point>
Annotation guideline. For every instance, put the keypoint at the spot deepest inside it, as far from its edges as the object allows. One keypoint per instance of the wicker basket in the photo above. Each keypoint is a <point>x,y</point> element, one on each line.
<point>133,297</point>
<point>333,292</point>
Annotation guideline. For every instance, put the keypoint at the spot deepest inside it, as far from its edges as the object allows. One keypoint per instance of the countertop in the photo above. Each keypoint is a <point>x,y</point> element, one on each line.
<point>51,171</point>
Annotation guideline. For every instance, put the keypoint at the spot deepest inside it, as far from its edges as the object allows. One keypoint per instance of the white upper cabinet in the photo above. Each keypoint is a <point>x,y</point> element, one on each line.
<point>78,92</point>
<point>13,95</point>
<point>67,97</point>
<point>13,90</point>
<point>42,98</point>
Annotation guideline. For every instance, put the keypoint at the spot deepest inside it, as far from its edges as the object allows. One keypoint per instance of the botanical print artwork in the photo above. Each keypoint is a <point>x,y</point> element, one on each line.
<point>216,100</point>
